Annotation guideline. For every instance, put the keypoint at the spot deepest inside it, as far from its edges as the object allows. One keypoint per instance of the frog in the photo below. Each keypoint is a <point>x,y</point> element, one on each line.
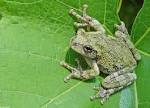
<point>113,55</point>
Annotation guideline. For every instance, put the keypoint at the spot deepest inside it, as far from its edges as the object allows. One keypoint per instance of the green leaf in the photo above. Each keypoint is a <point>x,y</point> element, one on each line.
<point>34,37</point>
<point>141,38</point>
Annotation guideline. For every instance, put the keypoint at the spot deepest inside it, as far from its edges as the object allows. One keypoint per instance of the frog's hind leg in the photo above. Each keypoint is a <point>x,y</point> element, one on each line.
<point>86,19</point>
<point>82,21</point>
<point>123,34</point>
<point>114,83</point>
<point>117,80</point>
<point>82,18</point>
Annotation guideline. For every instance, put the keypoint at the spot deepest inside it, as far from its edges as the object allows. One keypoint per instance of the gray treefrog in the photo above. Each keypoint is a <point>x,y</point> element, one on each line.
<point>115,56</point>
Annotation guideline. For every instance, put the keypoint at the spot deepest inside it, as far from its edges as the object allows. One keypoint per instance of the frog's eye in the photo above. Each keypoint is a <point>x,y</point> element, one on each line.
<point>87,49</point>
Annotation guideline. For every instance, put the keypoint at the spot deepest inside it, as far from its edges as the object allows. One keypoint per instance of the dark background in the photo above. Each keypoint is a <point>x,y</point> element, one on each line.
<point>129,10</point>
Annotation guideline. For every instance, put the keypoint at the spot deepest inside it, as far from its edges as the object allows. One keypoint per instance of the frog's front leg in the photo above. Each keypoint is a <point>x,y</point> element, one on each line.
<point>123,34</point>
<point>115,82</point>
<point>79,73</point>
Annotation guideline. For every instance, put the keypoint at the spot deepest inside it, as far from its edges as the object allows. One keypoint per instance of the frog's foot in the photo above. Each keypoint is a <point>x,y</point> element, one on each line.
<point>113,83</point>
<point>75,73</point>
<point>104,94</point>
<point>121,27</point>
<point>86,21</point>
<point>83,21</point>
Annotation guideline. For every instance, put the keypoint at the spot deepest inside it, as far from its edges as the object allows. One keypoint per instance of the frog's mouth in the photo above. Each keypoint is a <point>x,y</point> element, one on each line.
<point>78,48</point>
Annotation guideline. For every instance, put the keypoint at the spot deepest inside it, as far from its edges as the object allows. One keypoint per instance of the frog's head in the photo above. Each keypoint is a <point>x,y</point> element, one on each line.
<point>82,45</point>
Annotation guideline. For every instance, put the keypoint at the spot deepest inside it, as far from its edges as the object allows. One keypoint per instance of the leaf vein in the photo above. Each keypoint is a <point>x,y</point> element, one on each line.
<point>136,95</point>
<point>143,36</point>
<point>105,11</point>
<point>144,53</point>
<point>79,3</point>
<point>146,102</point>
<point>107,29</point>
<point>65,4</point>
<point>57,20</point>
<point>61,94</point>
<point>31,53</point>
<point>25,3</point>
<point>22,92</point>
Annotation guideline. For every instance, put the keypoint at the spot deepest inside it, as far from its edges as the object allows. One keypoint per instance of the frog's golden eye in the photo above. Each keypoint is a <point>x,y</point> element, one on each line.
<point>87,49</point>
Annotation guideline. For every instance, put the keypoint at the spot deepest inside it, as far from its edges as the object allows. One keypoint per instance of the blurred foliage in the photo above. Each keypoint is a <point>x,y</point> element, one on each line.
<point>129,10</point>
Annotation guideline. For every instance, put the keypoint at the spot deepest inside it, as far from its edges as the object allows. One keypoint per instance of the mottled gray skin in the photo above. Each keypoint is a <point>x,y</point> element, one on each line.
<point>115,56</point>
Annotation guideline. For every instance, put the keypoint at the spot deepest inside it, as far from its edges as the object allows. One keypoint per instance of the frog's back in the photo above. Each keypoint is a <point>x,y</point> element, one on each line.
<point>114,55</point>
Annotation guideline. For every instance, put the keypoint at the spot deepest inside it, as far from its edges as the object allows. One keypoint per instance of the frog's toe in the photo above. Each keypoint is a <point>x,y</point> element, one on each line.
<point>103,99</point>
<point>74,74</point>
<point>94,97</point>
<point>121,27</point>
<point>116,26</point>
<point>102,94</point>
<point>97,88</point>
<point>80,25</point>
<point>67,78</point>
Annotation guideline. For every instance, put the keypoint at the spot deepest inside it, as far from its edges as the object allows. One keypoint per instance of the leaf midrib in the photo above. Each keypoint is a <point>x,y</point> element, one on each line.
<point>61,94</point>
